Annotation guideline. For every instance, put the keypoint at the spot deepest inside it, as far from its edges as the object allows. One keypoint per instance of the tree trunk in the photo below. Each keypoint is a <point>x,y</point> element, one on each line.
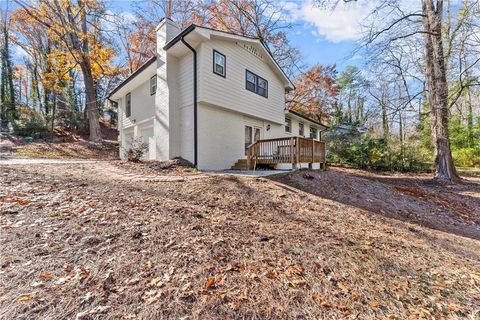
<point>90,96</point>
<point>383,105</point>
<point>402,142</point>
<point>7,93</point>
<point>36,86</point>
<point>91,103</point>
<point>470,134</point>
<point>54,109</point>
<point>437,91</point>
<point>349,105</point>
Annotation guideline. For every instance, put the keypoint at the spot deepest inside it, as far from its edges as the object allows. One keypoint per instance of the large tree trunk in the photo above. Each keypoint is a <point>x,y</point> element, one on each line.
<point>90,97</point>
<point>437,91</point>
<point>91,103</point>
<point>7,93</point>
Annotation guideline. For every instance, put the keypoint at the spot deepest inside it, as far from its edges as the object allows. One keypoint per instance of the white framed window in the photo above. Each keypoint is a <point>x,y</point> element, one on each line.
<point>128,105</point>
<point>153,85</point>
<point>313,132</point>
<point>288,125</point>
<point>219,64</point>
<point>301,131</point>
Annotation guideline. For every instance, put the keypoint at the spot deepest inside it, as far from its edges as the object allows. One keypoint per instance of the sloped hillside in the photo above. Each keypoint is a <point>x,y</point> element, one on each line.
<point>408,197</point>
<point>85,242</point>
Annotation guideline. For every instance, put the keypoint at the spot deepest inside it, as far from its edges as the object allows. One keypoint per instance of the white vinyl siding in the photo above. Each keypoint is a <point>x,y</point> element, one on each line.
<point>230,92</point>
<point>142,105</point>
<point>185,107</point>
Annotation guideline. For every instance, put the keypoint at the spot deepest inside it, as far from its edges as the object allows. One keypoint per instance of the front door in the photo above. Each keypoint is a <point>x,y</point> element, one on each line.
<point>252,135</point>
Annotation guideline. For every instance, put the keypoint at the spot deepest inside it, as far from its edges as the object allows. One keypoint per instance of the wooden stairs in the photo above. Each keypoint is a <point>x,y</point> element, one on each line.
<point>241,164</point>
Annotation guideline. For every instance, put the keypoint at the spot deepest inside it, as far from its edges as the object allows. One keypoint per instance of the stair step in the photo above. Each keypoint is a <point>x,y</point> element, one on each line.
<point>241,164</point>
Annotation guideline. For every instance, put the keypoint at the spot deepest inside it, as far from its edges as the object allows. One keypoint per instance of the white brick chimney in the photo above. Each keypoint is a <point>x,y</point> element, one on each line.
<point>166,93</point>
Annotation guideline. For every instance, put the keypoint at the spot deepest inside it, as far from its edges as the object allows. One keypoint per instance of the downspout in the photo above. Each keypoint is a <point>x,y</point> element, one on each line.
<point>195,138</point>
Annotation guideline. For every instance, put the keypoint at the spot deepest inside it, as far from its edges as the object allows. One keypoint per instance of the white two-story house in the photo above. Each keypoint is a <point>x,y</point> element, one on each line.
<point>215,99</point>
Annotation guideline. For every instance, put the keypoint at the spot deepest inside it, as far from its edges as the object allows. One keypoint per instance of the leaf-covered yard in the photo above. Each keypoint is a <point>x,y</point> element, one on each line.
<point>110,241</point>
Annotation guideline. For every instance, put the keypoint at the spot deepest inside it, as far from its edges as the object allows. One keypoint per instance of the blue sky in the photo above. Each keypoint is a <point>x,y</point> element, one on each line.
<point>320,50</point>
<point>328,35</point>
<point>323,35</point>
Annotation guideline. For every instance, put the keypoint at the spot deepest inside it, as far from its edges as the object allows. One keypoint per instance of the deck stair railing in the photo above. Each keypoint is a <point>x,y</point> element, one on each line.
<point>292,150</point>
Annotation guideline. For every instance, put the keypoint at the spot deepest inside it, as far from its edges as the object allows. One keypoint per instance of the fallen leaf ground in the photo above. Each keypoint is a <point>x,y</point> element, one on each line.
<point>82,241</point>
<point>81,149</point>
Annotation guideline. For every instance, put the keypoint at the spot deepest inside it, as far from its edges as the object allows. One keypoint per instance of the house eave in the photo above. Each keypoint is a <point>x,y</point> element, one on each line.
<point>305,118</point>
<point>137,72</point>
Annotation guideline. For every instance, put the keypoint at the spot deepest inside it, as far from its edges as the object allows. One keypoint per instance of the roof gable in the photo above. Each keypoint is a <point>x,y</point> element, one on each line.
<point>134,75</point>
<point>253,45</point>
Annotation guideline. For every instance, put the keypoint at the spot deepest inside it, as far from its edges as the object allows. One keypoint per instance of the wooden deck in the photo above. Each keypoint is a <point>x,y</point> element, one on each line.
<point>292,150</point>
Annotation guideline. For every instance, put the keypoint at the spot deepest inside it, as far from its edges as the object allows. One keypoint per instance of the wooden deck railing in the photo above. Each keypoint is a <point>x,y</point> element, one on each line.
<point>292,150</point>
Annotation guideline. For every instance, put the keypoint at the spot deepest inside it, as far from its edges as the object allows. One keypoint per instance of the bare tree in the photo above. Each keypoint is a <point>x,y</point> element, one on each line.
<point>263,19</point>
<point>391,24</point>
<point>437,89</point>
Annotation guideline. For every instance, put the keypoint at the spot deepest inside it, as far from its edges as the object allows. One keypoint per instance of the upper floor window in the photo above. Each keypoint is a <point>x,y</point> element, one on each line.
<point>153,85</point>
<point>219,63</point>
<point>256,84</point>
<point>288,125</point>
<point>313,132</point>
<point>300,129</point>
<point>128,105</point>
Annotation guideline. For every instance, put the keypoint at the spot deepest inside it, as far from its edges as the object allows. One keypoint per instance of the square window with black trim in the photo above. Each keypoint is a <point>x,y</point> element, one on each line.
<point>153,85</point>
<point>256,84</point>
<point>219,64</point>
<point>128,105</point>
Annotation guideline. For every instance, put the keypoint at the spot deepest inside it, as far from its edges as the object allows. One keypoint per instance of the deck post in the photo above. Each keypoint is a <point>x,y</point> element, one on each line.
<point>313,151</point>
<point>249,158</point>
<point>297,149</point>
<point>292,155</point>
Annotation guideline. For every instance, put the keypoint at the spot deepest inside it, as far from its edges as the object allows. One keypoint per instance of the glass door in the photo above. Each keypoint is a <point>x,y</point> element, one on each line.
<point>252,135</point>
<point>248,137</point>
<point>256,134</point>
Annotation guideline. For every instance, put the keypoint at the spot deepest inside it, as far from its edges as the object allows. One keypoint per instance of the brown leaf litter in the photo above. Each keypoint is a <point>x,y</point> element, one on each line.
<point>345,244</point>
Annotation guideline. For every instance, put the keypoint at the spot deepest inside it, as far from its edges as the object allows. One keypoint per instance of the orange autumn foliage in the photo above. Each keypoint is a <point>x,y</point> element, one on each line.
<point>315,92</point>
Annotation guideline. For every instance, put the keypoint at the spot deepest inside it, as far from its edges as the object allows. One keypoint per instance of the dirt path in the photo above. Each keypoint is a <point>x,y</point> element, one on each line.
<point>81,241</point>
<point>36,161</point>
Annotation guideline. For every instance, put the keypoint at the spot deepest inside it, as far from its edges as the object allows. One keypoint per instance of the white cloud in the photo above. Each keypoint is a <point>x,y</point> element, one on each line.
<point>336,24</point>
